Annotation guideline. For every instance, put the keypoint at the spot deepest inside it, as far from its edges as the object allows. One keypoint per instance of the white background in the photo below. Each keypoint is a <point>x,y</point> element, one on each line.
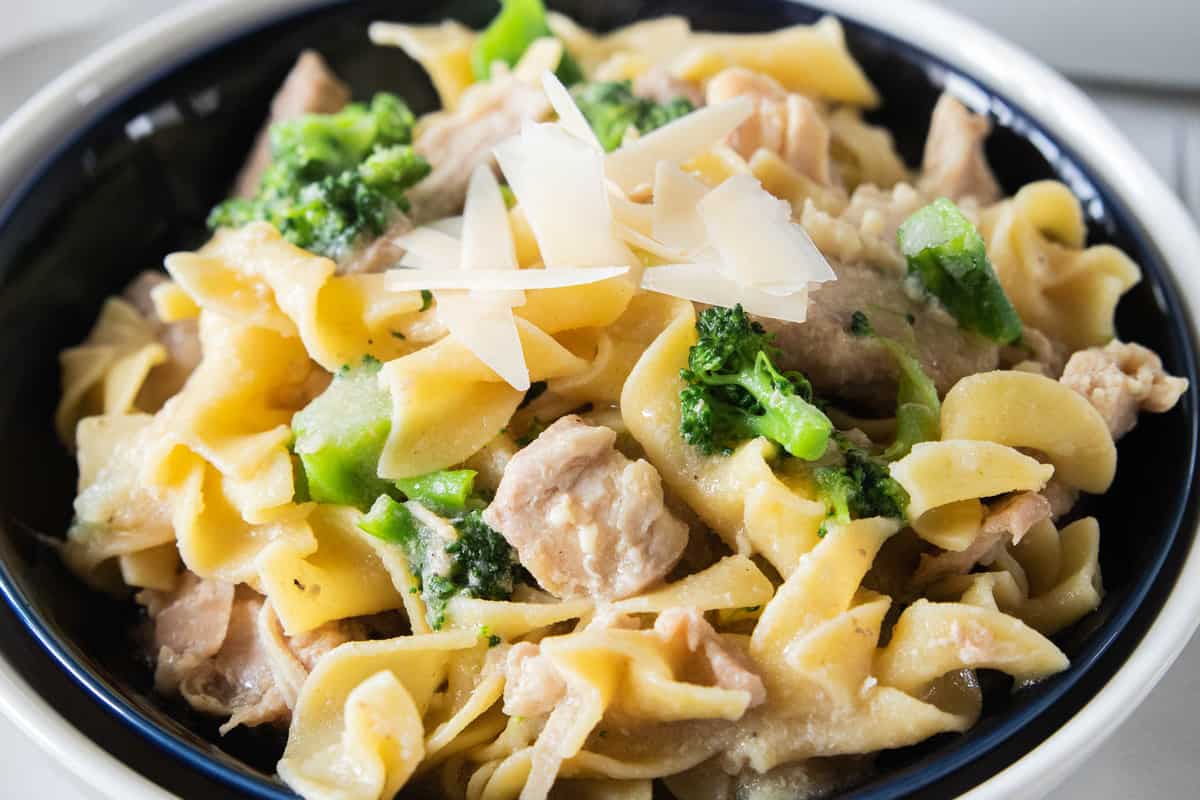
<point>1138,58</point>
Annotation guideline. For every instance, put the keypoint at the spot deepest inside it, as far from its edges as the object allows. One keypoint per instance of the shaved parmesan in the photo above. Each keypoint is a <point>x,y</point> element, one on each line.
<point>426,248</point>
<point>758,243</point>
<point>706,283</point>
<point>487,240</point>
<point>651,245</point>
<point>569,116</point>
<point>559,182</point>
<point>451,226</point>
<point>490,332</point>
<point>495,280</point>
<point>676,222</point>
<point>678,141</point>
<point>638,216</point>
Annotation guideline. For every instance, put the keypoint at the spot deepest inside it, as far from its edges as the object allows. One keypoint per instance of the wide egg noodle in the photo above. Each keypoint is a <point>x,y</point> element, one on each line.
<point>1036,242</point>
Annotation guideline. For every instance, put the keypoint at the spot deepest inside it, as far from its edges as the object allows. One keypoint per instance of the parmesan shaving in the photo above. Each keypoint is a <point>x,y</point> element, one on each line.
<point>678,141</point>
<point>569,116</point>
<point>675,221</point>
<point>559,182</point>
<point>495,280</point>
<point>487,240</point>
<point>490,331</point>
<point>707,283</point>
<point>758,243</point>
<point>427,248</point>
<point>651,245</point>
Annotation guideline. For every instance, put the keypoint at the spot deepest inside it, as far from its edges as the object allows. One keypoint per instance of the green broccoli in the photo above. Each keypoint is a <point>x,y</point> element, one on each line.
<point>474,561</point>
<point>947,258</point>
<point>611,108</point>
<point>734,392</point>
<point>918,408</point>
<point>861,487</point>
<point>339,437</point>
<point>446,492</point>
<point>334,178</point>
<point>519,24</point>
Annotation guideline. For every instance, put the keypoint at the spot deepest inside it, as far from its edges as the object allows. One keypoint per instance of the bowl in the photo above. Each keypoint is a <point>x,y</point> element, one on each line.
<point>118,161</point>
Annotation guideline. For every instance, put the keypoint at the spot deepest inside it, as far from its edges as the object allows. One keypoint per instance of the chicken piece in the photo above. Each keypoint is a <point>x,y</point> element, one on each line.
<point>718,663</point>
<point>533,686</point>
<point>310,88</point>
<point>378,254</point>
<point>954,165</point>
<point>659,85</point>
<point>456,142</point>
<point>215,648</point>
<point>861,370</point>
<point>1061,497</point>
<point>1006,521</point>
<point>1121,379</point>
<point>584,519</point>
<point>788,124</point>
<point>181,340</point>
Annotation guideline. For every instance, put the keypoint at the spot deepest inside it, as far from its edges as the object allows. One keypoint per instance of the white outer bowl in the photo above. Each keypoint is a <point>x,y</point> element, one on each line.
<point>40,125</point>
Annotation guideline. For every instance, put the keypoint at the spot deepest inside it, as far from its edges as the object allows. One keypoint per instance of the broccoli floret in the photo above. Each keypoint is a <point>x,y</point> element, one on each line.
<point>519,24</point>
<point>475,562</point>
<point>918,408</point>
<point>861,487</point>
<point>340,436</point>
<point>947,258</point>
<point>733,391</point>
<point>334,178</point>
<point>611,108</point>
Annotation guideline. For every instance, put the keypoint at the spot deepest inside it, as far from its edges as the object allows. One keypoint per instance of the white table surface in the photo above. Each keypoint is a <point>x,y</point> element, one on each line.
<point>1154,754</point>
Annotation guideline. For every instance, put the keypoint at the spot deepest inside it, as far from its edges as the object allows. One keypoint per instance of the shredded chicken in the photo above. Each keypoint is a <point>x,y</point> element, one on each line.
<point>659,85</point>
<point>532,684</point>
<point>584,519</point>
<point>719,663</point>
<point>1121,379</point>
<point>788,124</point>
<point>1061,497</point>
<point>954,165</point>
<point>859,369</point>
<point>219,647</point>
<point>181,340</point>
<point>1006,521</point>
<point>456,142</point>
<point>310,88</point>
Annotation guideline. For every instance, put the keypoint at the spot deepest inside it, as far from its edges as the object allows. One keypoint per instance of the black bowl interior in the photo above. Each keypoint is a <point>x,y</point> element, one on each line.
<point>116,197</point>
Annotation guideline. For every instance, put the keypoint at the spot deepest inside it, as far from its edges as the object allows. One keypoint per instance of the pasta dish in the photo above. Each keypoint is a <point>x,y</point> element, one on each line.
<point>638,421</point>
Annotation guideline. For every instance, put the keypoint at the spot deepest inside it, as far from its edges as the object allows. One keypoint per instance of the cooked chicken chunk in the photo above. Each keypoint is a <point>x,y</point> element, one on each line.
<point>584,519</point>
<point>456,142</point>
<point>714,662</point>
<point>532,684</point>
<point>211,649</point>
<point>784,123</point>
<point>1006,521</point>
<point>310,88</point>
<point>954,165</point>
<point>1121,379</point>
<point>861,370</point>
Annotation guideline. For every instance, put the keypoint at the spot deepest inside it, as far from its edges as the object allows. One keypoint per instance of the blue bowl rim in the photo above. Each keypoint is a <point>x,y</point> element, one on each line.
<point>897,784</point>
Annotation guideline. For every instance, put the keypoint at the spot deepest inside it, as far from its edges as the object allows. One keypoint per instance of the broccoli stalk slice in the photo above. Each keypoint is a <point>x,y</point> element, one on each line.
<point>918,408</point>
<point>611,108</point>
<point>947,258</point>
<point>334,178</point>
<point>445,492</point>
<point>519,24</point>
<point>339,437</point>
<point>475,562</point>
<point>733,391</point>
